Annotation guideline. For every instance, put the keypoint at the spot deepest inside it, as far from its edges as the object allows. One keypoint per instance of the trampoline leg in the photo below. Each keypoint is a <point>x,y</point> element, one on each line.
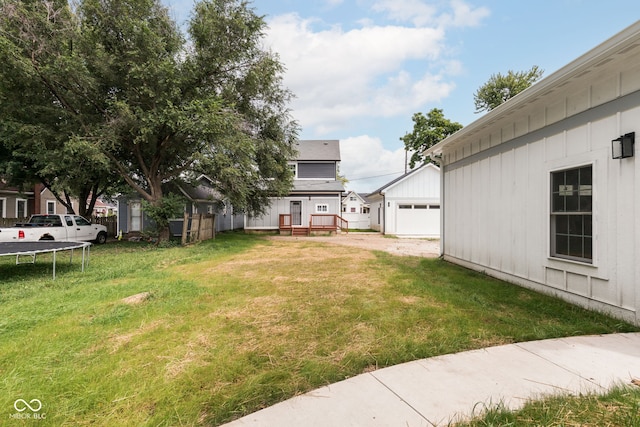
<point>54,265</point>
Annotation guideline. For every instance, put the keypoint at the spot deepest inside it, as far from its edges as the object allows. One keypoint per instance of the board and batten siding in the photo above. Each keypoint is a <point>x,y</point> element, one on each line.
<point>423,189</point>
<point>497,215</point>
<point>270,219</point>
<point>496,181</point>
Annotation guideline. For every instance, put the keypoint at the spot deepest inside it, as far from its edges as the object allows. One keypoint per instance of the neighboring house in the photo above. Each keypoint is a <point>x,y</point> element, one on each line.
<point>104,208</point>
<point>315,196</point>
<point>409,205</point>
<point>48,204</point>
<point>201,199</point>
<point>355,209</point>
<point>537,192</point>
<point>15,203</point>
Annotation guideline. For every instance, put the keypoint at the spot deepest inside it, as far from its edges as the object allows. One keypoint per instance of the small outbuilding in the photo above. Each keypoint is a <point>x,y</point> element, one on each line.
<point>409,205</point>
<point>544,190</point>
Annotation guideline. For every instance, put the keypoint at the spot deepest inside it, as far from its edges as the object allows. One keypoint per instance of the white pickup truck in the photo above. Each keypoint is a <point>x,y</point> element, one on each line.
<point>64,228</point>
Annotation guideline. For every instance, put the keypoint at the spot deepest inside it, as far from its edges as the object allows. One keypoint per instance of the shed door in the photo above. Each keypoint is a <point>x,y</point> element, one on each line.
<point>418,219</point>
<point>136,216</point>
<point>295,208</point>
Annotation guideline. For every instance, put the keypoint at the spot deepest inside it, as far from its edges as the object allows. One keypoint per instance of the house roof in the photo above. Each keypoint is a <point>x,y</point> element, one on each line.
<point>401,178</point>
<point>202,192</point>
<point>362,196</point>
<point>605,59</point>
<point>326,150</point>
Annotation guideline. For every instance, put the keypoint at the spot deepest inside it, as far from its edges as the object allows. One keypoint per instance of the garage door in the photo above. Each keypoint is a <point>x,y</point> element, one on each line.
<point>418,219</point>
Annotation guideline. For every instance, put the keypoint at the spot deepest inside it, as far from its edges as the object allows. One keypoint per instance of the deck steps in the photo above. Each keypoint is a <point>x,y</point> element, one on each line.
<point>300,231</point>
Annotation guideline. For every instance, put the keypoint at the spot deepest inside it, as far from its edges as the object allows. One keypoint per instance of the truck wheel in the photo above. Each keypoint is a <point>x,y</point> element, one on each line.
<point>48,237</point>
<point>101,239</point>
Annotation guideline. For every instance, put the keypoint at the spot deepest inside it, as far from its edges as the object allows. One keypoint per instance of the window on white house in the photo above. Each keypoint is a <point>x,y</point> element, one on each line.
<point>353,210</point>
<point>21,208</point>
<point>352,198</point>
<point>51,207</point>
<point>572,214</point>
<point>322,208</point>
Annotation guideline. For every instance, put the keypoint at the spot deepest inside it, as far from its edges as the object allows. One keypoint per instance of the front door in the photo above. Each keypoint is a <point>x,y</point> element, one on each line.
<point>295,207</point>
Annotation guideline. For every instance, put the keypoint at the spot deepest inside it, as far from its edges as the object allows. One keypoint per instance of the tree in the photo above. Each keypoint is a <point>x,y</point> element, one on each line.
<point>500,88</point>
<point>157,107</point>
<point>40,105</point>
<point>427,131</point>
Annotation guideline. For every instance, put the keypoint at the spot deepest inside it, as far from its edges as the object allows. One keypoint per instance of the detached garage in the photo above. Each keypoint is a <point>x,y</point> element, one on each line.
<point>409,205</point>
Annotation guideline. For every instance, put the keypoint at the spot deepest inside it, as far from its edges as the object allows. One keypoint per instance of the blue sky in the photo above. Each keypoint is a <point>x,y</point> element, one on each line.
<point>361,68</point>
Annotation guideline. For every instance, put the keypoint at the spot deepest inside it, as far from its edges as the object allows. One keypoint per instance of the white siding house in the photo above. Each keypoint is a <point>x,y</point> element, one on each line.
<point>355,209</point>
<point>316,190</point>
<point>409,205</point>
<point>532,193</point>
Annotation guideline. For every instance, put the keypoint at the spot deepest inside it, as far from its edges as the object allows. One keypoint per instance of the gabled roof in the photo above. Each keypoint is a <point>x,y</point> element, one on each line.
<point>323,150</point>
<point>401,178</point>
<point>361,196</point>
<point>201,190</point>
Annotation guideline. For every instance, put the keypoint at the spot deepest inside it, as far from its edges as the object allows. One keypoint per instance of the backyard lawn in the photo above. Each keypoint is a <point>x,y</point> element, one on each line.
<point>226,327</point>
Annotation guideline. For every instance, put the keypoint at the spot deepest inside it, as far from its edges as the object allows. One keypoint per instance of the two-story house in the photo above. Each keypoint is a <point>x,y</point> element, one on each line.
<point>314,202</point>
<point>14,202</point>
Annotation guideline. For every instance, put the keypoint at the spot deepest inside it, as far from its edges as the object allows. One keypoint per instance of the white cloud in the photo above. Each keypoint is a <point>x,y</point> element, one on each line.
<point>340,75</point>
<point>367,164</point>
<point>421,13</point>
<point>374,71</point>
<point>416,11</point>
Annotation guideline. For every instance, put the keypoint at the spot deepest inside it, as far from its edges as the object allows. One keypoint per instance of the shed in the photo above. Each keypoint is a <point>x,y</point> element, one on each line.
<point>536,193</point>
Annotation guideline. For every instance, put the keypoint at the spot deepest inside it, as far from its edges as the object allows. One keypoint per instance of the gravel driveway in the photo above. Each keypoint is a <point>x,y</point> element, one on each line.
<point>429,248</point>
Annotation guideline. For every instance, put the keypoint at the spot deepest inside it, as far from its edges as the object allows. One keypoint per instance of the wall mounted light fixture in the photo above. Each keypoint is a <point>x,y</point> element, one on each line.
<point>623,147</point>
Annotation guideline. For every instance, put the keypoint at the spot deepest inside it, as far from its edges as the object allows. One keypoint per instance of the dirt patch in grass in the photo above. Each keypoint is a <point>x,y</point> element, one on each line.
<point>428,248</point>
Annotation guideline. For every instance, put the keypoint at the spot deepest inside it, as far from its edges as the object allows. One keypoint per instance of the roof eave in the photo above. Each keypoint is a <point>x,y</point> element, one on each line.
<point>576,68</point>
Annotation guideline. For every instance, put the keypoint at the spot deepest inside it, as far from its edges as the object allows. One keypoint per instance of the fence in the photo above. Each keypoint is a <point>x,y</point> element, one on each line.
<point>196,228</point>
<point>111,222</point>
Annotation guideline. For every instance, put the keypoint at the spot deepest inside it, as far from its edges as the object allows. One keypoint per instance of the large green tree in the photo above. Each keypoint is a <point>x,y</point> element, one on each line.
<point>500,88</point>
<point>427,131</point>
<point>157,105</point>
<point>43,107</point>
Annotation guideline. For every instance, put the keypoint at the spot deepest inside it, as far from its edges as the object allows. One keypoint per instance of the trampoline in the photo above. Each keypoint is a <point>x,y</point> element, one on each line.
<point>30,250</point>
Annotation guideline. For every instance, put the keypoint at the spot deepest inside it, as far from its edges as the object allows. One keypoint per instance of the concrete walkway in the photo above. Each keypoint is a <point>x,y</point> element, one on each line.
<point>439,390</point>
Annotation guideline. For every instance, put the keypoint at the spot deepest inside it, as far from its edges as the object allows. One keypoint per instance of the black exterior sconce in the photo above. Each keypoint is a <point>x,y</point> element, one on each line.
<point>623,147</point>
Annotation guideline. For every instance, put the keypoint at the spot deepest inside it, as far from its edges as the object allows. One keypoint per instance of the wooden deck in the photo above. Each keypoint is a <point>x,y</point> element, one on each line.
<point>318,223</point>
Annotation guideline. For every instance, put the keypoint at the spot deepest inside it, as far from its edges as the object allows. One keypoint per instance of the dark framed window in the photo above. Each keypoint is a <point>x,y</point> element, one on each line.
<point>572,214</point>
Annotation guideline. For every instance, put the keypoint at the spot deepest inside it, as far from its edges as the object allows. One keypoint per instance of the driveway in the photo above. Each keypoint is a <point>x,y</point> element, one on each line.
<point>428,248</point>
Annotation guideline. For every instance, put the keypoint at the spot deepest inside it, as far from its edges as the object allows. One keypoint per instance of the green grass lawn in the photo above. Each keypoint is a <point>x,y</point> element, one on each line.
<point>235,324</point>
<point>618,408</point>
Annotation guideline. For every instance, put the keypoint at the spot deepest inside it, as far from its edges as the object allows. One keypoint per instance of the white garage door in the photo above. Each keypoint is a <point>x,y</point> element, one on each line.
<point>418,219</point>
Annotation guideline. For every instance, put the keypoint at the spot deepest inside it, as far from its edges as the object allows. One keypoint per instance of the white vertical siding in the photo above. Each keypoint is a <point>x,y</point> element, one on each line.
<point>497,213</point>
